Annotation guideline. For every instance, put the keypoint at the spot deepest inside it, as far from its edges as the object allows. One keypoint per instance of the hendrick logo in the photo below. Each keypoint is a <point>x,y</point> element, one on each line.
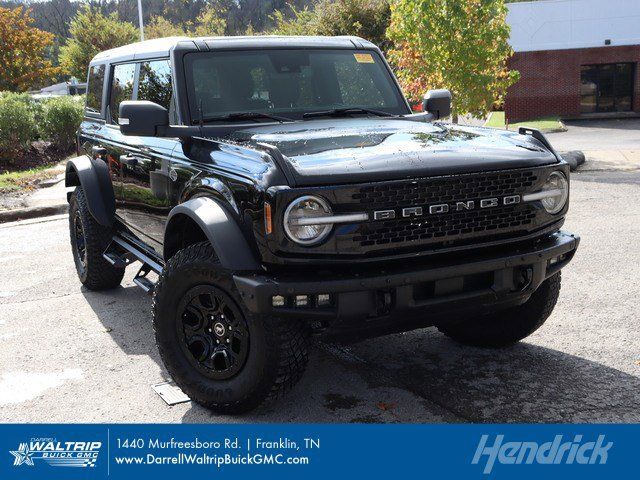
<point>549,453</point>
<point>439,208</point>
<point>56,454</point>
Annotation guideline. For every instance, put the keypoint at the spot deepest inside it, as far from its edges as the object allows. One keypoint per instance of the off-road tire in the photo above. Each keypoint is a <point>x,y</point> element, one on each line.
<point>507,326</point>
<point>96,273</point>
<point>277,354</point>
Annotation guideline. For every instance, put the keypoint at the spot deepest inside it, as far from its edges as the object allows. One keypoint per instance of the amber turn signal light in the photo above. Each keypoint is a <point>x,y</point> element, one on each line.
<point>268,226</point>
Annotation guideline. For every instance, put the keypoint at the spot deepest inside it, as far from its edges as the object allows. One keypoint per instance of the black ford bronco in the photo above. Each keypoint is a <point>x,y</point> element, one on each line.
<point>276,187</point>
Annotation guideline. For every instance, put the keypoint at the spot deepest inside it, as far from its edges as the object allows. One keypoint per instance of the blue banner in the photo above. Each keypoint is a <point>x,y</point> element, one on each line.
<point>318,451</point>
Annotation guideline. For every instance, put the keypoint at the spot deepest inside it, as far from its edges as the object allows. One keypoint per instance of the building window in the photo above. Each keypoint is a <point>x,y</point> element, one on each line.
<point>606,88</point>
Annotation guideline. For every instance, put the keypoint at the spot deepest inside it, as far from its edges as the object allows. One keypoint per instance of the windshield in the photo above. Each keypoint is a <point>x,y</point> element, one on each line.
<point>288,83</point>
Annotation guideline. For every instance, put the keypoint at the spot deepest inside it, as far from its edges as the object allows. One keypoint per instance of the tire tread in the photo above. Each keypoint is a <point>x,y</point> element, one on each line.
<point>286,339</point>
<point>100,274</point>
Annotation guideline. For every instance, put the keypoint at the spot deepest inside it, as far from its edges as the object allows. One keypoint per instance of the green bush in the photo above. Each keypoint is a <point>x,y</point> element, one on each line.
<point>61,118</point>
<point>17,124</point>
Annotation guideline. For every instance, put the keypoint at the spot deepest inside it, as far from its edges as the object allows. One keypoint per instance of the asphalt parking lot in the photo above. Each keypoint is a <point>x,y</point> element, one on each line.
<point>70,355</point>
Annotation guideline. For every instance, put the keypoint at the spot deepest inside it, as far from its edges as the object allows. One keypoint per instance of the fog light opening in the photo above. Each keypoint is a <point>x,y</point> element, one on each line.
<point>302,300</point>
<point>278,301</point>
<point>557,259</point>
<point>324,300</point>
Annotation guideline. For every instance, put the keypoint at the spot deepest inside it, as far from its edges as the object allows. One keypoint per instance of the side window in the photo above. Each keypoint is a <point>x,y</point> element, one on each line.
<point>94,89</point>
<point>121,87</point>
<point>155,82</point>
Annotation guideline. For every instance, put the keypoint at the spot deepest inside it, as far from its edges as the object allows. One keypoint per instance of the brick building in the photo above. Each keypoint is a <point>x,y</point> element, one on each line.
<point>577,58</point>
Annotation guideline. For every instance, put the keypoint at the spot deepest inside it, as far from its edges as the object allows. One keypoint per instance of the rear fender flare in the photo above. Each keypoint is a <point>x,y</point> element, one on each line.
<point>222,231</point>
<point>93,176</point>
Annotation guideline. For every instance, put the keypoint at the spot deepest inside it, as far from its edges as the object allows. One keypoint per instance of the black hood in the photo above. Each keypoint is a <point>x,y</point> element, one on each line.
<point>324,152</point>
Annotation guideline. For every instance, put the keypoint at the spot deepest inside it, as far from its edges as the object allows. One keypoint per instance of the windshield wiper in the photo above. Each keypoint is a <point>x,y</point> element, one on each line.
<point>245,116</point>
<point>339,112</point>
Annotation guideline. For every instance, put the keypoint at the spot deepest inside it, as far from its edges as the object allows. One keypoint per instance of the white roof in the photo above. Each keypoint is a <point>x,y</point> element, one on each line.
<point>160,47</point>
<point>148,48</point>
<point>563,24</point>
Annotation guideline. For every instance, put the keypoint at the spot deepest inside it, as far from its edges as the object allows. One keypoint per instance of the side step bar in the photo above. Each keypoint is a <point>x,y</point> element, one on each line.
<point>121,253</point>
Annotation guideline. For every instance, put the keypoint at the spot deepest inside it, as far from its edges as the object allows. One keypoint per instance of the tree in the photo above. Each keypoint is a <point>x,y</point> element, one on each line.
<point>300,22</point>
<point>91,33</point>
<point>368,19</point>
<point>450,44</point>
<point>211,22</point>
<point>22,52</point>
<point>160,27</point>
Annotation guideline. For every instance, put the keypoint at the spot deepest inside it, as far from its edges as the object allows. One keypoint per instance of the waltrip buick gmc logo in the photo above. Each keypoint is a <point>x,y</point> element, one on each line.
<point>56,454</point>
<point>447,207</point>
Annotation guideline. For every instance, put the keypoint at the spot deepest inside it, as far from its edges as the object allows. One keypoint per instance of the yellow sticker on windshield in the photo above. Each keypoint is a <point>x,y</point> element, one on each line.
<point>364,57</point>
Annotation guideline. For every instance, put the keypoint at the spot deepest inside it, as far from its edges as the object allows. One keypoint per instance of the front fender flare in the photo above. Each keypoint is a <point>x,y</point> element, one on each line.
<point>93,176</point>
<point>222,231</point>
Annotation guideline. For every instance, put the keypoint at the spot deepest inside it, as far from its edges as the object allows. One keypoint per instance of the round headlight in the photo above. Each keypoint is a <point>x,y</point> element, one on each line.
<point>298,220</point>
<point>557,188</point>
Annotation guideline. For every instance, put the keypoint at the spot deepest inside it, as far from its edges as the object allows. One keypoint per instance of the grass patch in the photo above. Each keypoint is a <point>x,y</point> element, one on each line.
<point>14,181</point>
<point>544,124</point>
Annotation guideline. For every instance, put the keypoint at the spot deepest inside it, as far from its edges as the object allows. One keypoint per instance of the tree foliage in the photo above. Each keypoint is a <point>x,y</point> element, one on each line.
<point>92,32</point>
<point>365,18</point>
<point>450,44</point>
<point>160,27</point>
<point>17,125</point>
<point>22,52</point>
<point>295,22</point>
<point>61,118</point>
<point>210,22</point>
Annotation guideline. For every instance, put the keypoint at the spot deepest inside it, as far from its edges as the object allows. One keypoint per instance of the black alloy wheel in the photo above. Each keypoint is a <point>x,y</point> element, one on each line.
<point>80,240</point>
<point>213,332</point>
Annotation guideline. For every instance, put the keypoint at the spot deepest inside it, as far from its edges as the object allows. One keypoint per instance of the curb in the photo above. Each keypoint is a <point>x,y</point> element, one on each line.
<point>32,212</point>
<point>560,129</point>
<point>574,158</point>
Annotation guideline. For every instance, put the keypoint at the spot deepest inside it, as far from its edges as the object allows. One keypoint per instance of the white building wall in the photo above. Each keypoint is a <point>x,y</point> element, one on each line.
<point>562,24</point>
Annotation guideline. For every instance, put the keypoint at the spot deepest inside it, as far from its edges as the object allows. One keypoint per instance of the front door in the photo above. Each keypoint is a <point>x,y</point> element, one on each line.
<point>606,88</point>
<point>145,204</point>
<point>146,180</point>
<point>142,202</point>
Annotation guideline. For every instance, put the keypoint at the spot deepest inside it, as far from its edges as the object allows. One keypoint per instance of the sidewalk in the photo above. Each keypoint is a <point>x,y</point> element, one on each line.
<point>44,201</point>
<point>602,160</point>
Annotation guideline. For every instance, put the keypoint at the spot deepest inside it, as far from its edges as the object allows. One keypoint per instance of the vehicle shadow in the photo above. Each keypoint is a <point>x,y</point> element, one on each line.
<point>521,383</point>
<point>125,313</point>
<point>449,382</point>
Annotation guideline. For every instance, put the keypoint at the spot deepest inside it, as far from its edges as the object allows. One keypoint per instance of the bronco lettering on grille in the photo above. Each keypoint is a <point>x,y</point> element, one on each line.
<point>447,207</point>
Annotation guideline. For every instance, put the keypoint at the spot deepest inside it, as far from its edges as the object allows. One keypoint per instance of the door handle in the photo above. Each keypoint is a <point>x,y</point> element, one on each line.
<point>129,160</point>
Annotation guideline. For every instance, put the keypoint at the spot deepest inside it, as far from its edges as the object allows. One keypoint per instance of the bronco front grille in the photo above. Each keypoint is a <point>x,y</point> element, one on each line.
<point>448,226</point>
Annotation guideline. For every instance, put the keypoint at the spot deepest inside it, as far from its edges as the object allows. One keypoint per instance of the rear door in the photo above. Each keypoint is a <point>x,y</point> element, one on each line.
<point>93,131</point>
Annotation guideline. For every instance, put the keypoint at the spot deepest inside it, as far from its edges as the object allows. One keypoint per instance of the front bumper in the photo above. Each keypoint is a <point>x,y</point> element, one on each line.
<point>482,280</point>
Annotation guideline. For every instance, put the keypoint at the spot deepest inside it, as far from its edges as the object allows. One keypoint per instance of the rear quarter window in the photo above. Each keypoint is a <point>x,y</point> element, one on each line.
<point>94,89</point>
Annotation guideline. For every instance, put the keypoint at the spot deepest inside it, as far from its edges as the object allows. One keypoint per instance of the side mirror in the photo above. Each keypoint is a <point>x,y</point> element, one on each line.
<point>438,103</point>
<point>142,118</point>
